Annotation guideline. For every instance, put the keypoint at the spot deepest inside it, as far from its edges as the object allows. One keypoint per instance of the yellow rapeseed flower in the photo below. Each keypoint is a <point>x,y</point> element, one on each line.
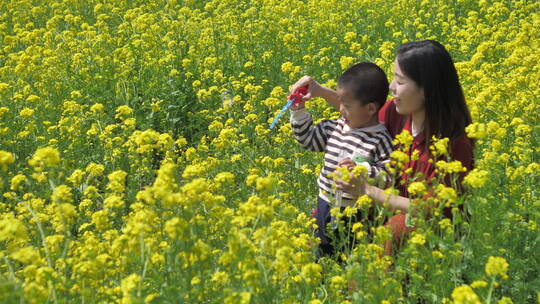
<point>44,157</point>
<point>476,178</point>
<point>95,169</point>
<point>17,181</point>
<point>117,180</point>
<point>465,295</point>
<point>26,255</point>
<point>417,188</point>
<point>418,239</point>
<point>122,112</point>
<point>497,266</point>
<point>26,112</point>
<point>6,158</point>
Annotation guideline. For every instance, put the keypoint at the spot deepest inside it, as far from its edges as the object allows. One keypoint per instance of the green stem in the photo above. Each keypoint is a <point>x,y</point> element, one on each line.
<point>144,261</point>
<point>490,291</point>
<point>11,271</point>
<point>44,243</point>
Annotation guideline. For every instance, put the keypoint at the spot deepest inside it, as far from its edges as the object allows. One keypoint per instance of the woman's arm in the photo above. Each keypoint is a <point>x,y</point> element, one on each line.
<point>392,201</point>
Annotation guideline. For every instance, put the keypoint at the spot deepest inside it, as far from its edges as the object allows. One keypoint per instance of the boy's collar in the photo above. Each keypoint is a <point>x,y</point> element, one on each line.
<point>375,128</point>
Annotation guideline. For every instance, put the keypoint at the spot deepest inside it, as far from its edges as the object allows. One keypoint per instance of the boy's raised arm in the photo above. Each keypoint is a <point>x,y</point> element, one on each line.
<point>316,90</point>
<point>330,96</point>
<point>311,137</point>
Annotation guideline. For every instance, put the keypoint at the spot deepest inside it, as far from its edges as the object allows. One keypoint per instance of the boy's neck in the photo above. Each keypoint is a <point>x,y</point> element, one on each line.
<point>373,122</point>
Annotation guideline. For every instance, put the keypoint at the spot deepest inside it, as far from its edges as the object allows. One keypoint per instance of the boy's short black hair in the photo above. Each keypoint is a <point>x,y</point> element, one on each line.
<point>367,82</point>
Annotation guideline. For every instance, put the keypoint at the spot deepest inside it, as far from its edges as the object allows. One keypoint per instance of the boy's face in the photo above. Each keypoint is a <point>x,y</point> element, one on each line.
<point>356,114</point>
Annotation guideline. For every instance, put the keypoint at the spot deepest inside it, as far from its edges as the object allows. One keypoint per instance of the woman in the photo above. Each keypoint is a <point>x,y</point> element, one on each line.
<point>427,101</point>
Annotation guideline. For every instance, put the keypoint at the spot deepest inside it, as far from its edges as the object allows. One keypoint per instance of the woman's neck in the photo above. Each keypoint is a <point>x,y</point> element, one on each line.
<point>418,120</point>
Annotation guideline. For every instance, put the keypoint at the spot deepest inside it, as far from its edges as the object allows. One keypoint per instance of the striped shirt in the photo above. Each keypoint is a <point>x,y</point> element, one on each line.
<point>369,146</point>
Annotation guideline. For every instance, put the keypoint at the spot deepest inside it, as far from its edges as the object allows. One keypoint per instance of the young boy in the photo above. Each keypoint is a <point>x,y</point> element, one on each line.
<point>356,136</point>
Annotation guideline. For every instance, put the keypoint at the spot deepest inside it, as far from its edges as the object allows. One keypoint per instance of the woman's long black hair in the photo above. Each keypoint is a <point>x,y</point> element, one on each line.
<point>429,64</point>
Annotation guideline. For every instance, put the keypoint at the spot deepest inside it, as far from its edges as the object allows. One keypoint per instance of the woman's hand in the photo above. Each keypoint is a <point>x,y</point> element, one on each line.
<point>314,89</point>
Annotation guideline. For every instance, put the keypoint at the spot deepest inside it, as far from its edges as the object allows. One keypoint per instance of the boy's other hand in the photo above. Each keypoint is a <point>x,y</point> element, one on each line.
<point>347,162</point>
<point>355,185</point>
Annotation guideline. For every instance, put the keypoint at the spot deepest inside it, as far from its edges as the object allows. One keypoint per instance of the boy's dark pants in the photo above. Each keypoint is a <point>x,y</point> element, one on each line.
<point>333,242</point>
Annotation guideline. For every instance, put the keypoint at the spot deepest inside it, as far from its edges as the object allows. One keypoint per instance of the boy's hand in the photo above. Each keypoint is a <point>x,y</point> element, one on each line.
<point>347,162</point>
<point>314,89</point>
<point>356,185</point>
<point>297,106</point>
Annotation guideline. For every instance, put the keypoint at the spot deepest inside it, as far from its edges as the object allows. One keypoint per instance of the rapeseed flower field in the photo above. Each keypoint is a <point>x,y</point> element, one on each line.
<point>137,165</point>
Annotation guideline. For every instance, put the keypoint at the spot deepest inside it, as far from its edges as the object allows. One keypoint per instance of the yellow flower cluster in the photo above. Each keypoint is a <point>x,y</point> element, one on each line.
<point>44,157</point>
<point>497,266</point>
<point>465,295</point>
<point>6,158</point>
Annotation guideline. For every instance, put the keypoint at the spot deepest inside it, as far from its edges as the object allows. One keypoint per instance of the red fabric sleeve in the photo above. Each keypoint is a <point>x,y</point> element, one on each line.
<point>461,149</point>
<point>383,111</point>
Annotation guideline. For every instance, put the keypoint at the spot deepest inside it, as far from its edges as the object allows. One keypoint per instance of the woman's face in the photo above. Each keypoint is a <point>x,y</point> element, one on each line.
<point>408,97</point>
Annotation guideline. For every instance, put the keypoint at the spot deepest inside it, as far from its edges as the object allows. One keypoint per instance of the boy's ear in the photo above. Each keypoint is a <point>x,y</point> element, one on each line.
<point>372,108</point>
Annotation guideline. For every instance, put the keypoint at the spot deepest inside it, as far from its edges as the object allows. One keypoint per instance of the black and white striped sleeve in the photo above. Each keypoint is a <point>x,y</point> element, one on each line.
<point>311,137</point>
<point>381,160</point>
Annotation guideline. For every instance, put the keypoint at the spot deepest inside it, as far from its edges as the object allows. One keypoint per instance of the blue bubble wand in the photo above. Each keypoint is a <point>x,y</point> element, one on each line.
<point>294,98</point>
